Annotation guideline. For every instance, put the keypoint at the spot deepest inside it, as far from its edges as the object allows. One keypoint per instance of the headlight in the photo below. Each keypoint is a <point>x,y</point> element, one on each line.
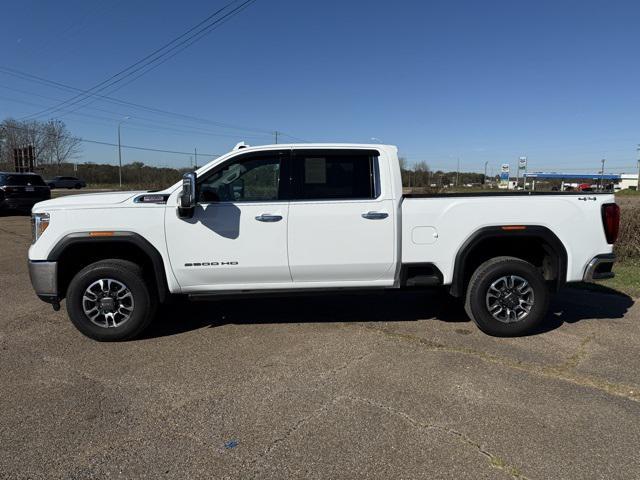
<point>39,223</point>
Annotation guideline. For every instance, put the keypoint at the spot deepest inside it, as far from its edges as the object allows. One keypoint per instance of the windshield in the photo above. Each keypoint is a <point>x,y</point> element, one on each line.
<point>8,179</point>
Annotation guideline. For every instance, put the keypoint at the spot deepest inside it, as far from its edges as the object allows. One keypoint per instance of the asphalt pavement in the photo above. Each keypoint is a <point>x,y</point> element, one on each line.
<point>394,385</point>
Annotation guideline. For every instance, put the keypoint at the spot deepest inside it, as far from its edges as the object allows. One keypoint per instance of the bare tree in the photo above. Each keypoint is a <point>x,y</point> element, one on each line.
<point>60,145</point>
<point>421,167</point>
<point>14,135</point>
<point>51,141</point>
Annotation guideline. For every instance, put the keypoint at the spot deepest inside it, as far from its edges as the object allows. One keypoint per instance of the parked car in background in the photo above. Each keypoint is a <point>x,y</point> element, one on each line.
<point>21,191</point>
<point>66,182</point>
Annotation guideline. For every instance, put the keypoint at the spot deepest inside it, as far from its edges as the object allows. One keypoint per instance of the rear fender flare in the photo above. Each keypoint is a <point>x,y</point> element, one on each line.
<point>499,231</point>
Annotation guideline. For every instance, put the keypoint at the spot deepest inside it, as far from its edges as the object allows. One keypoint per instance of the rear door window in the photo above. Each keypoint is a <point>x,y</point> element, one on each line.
<point>335,174</point>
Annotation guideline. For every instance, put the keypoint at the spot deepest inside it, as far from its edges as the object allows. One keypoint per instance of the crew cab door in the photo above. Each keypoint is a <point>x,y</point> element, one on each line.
<point>341,224</point>
<point>237,237</point>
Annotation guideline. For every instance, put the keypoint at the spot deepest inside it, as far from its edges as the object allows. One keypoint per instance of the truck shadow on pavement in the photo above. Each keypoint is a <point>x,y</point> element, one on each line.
<point>570,306</point>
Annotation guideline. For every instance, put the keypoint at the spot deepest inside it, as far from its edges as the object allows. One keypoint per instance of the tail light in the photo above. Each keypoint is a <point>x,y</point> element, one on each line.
<point>611,221</point>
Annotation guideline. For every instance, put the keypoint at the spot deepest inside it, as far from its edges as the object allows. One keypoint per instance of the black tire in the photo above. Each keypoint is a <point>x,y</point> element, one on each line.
<point>78,186</point>
<point>480,283</point>
<point>130,275</point>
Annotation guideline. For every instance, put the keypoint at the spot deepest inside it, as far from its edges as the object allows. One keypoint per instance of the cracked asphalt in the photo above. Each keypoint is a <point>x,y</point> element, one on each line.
<point>395,385</point>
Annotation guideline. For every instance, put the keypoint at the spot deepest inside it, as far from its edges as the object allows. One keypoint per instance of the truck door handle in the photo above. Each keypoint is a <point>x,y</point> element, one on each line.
<point>267,217</point>
<point>375,215</point>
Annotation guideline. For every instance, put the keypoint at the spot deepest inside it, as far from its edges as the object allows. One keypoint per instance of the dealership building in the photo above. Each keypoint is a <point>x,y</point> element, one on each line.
<point>628,180</point>
<point>620,181</point>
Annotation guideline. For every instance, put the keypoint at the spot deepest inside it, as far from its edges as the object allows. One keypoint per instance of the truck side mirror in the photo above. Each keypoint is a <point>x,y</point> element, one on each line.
<point>187,199</point>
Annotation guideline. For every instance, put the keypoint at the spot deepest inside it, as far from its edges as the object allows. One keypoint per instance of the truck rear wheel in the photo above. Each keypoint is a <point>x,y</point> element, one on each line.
<point>109,300</point>
<point>507,297</point>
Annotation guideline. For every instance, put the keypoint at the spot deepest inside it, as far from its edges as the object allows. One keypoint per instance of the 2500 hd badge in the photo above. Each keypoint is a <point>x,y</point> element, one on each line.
<point>209,264</point>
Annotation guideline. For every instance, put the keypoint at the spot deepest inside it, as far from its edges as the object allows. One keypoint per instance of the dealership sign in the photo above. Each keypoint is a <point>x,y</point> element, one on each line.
<point>522,163</point>
<point>504,175</point>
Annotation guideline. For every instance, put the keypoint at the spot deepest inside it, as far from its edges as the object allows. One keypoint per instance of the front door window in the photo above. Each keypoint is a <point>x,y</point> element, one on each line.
<point>253,179</point>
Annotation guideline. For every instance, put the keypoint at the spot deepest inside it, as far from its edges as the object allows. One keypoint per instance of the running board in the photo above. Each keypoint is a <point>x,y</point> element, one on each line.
<point>224,294</point>
<point>424,281</point>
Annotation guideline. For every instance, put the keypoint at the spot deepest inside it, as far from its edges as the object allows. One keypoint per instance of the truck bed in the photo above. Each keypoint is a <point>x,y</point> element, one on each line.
<point>436,226</point>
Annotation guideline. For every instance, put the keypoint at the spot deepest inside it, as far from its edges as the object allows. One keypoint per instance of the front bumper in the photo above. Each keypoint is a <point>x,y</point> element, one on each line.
<point>44,278</point>
<point>599,268</point>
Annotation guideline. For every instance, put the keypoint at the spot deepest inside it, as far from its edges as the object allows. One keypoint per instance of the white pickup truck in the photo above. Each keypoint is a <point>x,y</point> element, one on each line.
<point>313,217</point>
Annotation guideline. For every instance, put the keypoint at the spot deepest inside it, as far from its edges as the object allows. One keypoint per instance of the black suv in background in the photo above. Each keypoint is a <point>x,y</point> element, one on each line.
<point>66,182</point>
<point>21,191</point>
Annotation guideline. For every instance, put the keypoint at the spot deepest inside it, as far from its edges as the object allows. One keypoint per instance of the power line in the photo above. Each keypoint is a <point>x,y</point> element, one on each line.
<point>141,126</point>
<point>153,57</point>
<point>223,20</point>
<point>218,23</point>
<point>100,142</point>
<point>85,94</point>
<point>148,149</point>
<point>136,125</point>
<point>285,134</point>
<point>62,86</point>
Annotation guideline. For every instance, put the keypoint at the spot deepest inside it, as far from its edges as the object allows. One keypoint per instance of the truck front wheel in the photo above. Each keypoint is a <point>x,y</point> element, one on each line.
<point>507,297</point>
<point>109,300</point>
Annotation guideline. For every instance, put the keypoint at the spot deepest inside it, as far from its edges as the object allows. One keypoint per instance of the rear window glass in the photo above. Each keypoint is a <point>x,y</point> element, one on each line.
<point>335,175</point>
<point>8,179</point>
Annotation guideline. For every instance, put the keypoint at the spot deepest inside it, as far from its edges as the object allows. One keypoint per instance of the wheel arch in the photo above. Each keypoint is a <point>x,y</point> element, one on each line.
<point>77,250</point>
<point>484,242</point>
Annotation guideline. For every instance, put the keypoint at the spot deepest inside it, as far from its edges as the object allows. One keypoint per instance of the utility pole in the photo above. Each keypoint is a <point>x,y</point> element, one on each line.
<point>119,159</point>
<point>458,174</point>
<point>602,175</point>
<point>485,173</point>
<point>120,152</point>
<point>275,134</point>
<point>638,184</point>
<point>195,152</point>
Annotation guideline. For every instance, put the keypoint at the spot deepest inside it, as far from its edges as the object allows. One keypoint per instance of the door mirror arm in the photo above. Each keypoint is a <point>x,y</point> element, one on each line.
<point>187,198</point>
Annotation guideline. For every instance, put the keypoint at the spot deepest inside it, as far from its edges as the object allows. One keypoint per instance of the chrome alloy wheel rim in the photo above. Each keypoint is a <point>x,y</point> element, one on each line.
<point>510,299</point>
<point>108,303</point>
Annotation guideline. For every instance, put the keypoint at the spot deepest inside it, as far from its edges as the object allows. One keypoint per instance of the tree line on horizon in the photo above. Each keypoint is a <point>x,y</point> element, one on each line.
<point>421,176</point>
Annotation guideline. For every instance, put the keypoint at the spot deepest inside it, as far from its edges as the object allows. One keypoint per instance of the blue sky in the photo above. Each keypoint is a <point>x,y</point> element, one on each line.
<point>558,81</point>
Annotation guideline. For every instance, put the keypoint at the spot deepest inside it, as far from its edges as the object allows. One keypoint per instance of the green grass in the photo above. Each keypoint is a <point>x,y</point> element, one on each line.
<point>627,193</point>
<point>627,279</point>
